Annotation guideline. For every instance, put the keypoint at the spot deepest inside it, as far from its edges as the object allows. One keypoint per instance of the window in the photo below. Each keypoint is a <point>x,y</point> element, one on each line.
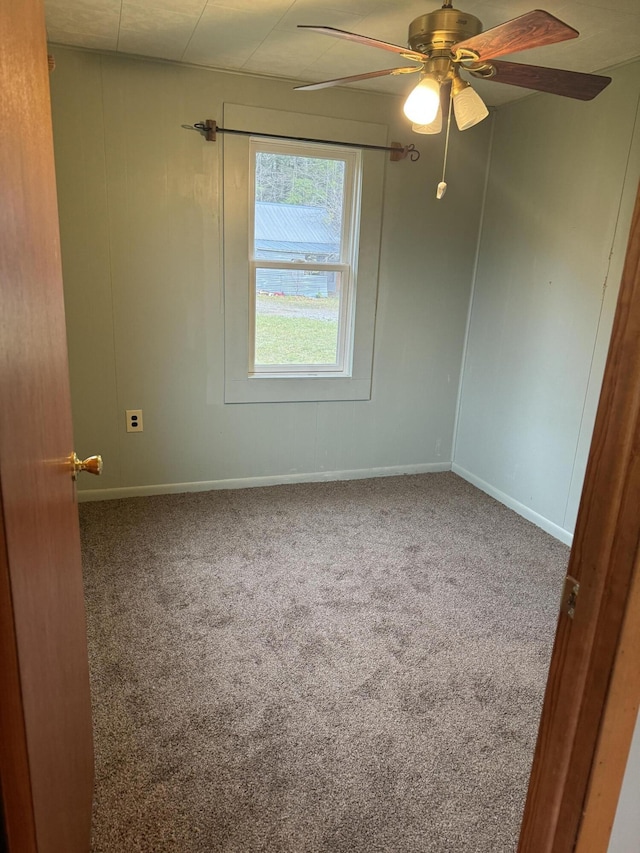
<point>301,234</point>
<point>303,244</point>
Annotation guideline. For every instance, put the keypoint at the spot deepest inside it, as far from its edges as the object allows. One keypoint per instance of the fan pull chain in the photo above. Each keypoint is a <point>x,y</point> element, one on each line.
<point>442,186</point>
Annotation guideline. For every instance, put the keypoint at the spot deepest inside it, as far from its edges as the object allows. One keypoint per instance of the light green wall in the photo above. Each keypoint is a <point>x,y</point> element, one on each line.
<point>140,225</point>
<point>562,183</point>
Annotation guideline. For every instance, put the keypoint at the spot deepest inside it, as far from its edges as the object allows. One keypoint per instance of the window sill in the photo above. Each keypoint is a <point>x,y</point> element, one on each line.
<point>300,374</point>
<point>297,389</point>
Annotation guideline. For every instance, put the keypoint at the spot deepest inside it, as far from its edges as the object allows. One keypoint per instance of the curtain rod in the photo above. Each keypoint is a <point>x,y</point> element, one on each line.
<point>210,128</point>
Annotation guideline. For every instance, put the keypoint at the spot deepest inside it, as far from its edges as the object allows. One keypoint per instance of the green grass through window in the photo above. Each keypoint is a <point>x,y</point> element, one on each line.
<point>289,333</point>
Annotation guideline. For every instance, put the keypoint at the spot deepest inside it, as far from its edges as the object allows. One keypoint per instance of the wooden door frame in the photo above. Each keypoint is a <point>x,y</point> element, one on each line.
<point>585,691</point>
<point>616,733</point>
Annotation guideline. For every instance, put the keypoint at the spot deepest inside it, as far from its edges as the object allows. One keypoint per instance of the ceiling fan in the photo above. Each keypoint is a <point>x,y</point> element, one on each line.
<point>447,40</point>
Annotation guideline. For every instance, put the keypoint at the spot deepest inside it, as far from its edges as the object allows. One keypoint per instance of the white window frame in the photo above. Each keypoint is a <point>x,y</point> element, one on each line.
<point>242,383</point>
<point>346,266</point>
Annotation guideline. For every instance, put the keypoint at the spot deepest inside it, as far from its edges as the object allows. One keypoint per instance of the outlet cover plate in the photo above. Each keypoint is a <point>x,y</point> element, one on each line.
<point>134,420</point>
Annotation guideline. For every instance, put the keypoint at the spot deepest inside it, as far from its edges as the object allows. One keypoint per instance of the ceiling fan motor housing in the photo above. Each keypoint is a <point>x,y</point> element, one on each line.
<point>440,30</point>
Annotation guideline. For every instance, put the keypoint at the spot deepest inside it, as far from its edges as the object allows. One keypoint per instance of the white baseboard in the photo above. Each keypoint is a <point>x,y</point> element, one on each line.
<point>252,482</point>
<point>537,519</point>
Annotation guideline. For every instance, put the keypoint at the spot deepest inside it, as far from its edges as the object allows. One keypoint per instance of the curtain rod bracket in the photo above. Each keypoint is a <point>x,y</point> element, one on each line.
<point>210,129</point>
<point>401,152</point>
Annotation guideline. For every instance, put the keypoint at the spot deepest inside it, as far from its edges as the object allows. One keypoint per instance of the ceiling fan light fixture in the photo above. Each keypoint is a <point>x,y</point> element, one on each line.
<point>434,127</point>
<point>446,39</point>
<point>423,103</point>
<point>468,107</point>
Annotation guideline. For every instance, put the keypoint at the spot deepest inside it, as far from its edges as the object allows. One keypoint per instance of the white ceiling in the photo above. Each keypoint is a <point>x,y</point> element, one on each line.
<point>260,36</point>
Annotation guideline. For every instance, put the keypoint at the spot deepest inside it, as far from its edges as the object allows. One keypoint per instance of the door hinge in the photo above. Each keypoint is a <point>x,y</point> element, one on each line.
<point>570,596</point>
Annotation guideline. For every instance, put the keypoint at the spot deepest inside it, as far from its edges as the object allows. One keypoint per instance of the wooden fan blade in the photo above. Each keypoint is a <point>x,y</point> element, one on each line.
<point>535,29</point>
<point>571,84</point>
<point>385,45</point>
<point>355,77</point>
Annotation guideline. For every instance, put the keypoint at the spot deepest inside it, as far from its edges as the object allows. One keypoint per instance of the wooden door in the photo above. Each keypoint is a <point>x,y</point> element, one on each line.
<point>605,559</point>
<point>46,755</point>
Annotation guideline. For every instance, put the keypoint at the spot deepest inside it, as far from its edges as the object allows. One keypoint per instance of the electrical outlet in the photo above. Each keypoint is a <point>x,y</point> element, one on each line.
<point>134,420</point>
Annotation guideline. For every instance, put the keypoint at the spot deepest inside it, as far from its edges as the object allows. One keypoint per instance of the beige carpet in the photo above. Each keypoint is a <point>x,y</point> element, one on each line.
<point>353,666</point>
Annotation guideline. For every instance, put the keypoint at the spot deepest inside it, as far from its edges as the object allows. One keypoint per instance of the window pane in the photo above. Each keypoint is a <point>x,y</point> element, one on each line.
<point>298,208</point>
<point>297,315</point>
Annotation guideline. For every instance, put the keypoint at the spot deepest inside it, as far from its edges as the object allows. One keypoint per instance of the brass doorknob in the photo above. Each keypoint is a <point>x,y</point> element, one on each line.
<point>92,464</point>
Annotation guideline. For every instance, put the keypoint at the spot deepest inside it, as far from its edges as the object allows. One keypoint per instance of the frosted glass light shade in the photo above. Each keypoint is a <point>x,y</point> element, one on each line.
<point>423,102</point>
<point>469,108</point>
<point>434,127</point>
